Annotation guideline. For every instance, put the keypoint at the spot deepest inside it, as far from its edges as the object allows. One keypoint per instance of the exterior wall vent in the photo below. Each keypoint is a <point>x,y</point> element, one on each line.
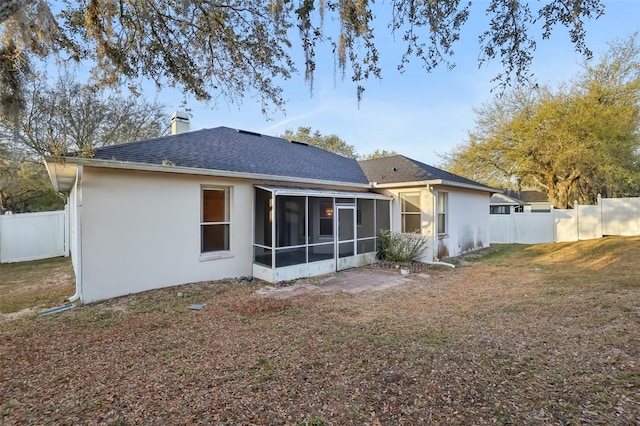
<point>247,132</point>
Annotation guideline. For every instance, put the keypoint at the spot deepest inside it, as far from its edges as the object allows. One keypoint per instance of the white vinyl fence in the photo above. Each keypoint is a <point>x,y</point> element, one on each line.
<point>611,216</point>
<point>31,236</point>
<point>621,216</point>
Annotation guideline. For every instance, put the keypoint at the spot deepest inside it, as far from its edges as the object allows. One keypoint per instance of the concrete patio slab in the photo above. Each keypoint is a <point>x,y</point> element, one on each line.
<point>354,280</point>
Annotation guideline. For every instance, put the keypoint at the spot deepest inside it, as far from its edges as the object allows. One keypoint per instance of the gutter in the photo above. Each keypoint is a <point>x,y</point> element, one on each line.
<point>435,182</point>
<point>78,239</point>
<point>115,164</point>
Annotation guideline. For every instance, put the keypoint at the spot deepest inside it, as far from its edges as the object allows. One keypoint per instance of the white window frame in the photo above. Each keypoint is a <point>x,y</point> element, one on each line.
<point>442,210</point>
<point>323,216</point>
<point>228,193</point>
<point>403,213</point>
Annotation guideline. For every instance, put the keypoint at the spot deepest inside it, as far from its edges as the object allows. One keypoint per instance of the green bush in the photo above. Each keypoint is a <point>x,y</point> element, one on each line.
<point>401,248</point>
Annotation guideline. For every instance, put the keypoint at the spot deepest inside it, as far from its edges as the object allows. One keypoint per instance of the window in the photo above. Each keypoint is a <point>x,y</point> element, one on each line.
<point>499,210</point>
<point>540,209</point>
<point>410,212</point>
<point>214,225</point>
<point>442,207</point>
<point>326,216</point>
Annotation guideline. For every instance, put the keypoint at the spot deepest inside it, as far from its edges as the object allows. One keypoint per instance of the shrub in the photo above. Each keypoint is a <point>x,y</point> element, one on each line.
<point>401,248</point>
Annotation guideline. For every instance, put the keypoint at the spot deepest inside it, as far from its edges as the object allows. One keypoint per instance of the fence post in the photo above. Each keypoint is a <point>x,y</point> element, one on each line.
<point>576,207</point>
<point>554,225</point>
<point>512,232</point>
<point>600,218</point>
<point>1,219</point>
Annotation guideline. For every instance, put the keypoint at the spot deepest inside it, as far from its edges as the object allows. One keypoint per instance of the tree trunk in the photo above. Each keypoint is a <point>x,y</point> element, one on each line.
<point>560,191</point>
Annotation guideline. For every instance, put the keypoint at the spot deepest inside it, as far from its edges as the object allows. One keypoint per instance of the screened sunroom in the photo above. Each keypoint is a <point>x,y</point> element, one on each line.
<point>300,232</point>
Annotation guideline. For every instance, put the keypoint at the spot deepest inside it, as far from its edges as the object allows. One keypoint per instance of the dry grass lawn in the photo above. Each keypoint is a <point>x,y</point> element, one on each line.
<point>546,334</point>
<point>29,286</point>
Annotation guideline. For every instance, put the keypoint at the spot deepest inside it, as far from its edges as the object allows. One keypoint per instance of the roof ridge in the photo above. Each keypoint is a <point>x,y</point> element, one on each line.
<point>381,158</point>
<point>443,170</point>
<point>141,141</point>
<point>224,148</point>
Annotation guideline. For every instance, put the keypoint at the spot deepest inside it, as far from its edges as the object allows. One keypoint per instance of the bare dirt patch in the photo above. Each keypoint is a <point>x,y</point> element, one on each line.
<point>522,335</point>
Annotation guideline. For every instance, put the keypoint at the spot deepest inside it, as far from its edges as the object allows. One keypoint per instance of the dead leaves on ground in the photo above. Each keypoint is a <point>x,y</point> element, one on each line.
<point>465,346</point>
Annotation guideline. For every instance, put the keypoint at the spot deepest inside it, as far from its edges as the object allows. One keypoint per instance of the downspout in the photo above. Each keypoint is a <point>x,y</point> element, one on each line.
<point>450,265</point>
<point>78,236</point>
<point>435,236</point>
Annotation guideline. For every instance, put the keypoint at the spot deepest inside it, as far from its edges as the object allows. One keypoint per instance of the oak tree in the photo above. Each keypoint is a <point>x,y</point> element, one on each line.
<point>25,187</point>
<point>575,141</point>
<point>231,48</point>
<point>332,143</point>
<point>61,117</point>
<point>67,116</point>
<point>378,154</point>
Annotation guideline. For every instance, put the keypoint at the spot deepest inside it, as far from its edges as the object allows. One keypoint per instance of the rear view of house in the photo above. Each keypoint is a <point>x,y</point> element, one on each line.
<point>221,203</point>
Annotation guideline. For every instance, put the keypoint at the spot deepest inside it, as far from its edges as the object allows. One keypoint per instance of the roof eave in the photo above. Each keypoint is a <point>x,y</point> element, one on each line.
<point>399,184</point>
<point>61,173</point>
<point>503,199</point>
<point>436,182</point>
<point>467,186</point>
<point>126,165</point>
<point>497,203</point>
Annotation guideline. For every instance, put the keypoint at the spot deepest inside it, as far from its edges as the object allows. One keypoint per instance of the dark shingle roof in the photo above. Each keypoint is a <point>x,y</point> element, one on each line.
<point>399,168</point>
<point>529,196</point>
<point>502,199</point>
<point>231,150</point>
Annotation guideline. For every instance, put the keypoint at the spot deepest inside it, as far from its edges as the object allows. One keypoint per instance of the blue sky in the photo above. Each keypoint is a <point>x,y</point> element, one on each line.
<point>416,114</point>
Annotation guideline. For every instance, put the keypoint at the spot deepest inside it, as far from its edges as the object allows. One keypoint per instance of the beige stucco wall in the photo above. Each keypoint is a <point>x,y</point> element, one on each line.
<point>468,220</point>
<point>141,230</point>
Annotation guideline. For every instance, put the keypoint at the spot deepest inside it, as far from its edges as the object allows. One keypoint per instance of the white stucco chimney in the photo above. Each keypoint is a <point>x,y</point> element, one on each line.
<point>179,122</point>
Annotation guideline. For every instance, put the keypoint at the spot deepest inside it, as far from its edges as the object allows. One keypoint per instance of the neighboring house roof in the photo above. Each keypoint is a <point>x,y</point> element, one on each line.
<point>503,199</point>
<point>529,196</point>
<point>230,150</point>
<point>398,169</point>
